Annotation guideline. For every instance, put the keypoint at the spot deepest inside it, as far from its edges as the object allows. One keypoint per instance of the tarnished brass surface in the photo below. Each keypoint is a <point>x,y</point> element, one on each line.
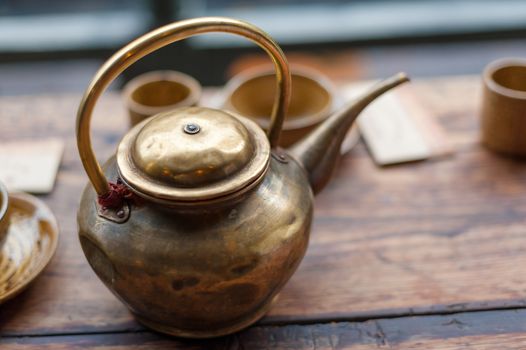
<point>192,147</point>
<point>156,39</point>
<point>319,151</point>
<point>207,271</point>
<point>217,217</point>
<point>224,154</point>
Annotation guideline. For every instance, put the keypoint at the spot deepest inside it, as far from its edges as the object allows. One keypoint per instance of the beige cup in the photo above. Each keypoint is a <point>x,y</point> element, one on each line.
<point>159,91</point>
<point>251,94</point>
<point>4,214</point>
<point>504,106</point>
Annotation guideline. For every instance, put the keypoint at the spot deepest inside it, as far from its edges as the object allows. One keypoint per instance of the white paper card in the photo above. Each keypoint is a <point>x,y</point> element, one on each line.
<point>391,134</point>
<point>30,166</point>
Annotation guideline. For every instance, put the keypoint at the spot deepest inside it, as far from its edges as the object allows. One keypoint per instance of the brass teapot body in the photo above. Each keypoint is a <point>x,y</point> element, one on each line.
<point>200,219</point>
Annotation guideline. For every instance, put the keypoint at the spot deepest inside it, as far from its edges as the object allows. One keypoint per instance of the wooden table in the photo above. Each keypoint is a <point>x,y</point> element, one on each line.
<point>429,255</point>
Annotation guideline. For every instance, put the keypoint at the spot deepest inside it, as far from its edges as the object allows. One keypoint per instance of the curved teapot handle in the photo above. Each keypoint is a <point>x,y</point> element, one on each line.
<point>161,37</point>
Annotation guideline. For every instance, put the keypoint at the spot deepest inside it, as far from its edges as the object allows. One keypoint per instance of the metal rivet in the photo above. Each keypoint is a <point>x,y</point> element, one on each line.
<point>280,157</point>
<point>191,128</point>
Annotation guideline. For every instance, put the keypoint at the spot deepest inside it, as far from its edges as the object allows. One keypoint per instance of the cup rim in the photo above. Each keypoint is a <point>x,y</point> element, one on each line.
<point>288,124</point>
<point>5,201</point>
<point>167,75</point>
<point>497,65</point>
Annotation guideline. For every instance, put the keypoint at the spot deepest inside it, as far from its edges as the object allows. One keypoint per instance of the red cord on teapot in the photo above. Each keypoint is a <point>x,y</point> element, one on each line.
<point>118,194</point>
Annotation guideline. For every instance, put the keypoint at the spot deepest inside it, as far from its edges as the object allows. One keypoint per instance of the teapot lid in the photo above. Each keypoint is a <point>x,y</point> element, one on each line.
<point>193,154</point>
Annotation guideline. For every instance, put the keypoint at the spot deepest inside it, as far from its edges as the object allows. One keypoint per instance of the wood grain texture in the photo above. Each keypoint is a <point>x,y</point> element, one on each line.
<point>432,237</point>
<point>477,331</point>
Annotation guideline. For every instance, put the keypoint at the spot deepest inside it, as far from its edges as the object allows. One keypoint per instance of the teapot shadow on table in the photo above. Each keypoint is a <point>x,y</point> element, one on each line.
<point>200,218</point>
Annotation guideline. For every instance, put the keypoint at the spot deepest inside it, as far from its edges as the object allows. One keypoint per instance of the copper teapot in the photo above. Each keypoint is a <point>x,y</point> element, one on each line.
<point>200,219</point>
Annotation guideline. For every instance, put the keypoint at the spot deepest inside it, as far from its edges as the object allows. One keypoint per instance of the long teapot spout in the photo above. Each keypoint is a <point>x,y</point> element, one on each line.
<point>319,151</point>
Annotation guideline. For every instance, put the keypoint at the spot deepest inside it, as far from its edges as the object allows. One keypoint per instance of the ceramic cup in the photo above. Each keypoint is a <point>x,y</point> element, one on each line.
<point>159,91</point>
<point>251,94</point>
<point>504,106</point>
<point>4,214</point>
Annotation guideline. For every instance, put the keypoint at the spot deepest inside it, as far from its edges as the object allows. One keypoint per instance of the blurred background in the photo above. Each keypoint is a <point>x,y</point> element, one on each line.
<point>57,45</point>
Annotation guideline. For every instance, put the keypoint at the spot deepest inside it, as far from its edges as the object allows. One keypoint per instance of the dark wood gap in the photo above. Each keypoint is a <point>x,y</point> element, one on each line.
<point>328,319</point>
<point>495,329</point>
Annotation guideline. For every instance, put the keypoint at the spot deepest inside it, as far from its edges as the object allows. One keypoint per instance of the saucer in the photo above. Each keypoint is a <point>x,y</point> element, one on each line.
<point>30,244</point>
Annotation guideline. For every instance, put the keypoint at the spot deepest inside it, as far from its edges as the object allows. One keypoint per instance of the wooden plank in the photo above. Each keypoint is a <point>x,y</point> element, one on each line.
<point>478,331</point>
<point>436,236</point>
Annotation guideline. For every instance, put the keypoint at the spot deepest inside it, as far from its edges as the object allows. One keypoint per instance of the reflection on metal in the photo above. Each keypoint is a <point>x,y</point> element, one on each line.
<point>224,214</point>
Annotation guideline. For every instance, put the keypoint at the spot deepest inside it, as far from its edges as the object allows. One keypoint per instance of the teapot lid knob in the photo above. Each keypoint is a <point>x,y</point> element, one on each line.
<point>193,154</point>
